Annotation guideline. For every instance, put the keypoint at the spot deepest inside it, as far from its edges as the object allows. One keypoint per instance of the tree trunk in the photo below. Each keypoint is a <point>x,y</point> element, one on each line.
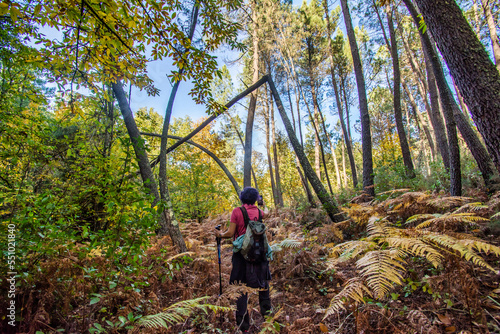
<point>451,130</point>
<point>166,223</point>
<point>279,193</point>
<point>344,174</point>
<point>345,133</point>
<point>470,66</point>
<point>315,122</point>
<point>328,203</point>
<point>346,103</point>
<point>366,139</point>
<point>247,160</point>
<point>453,149</point>
<point>172,223</point>
<point>235,127</point>
<point>268,151</point>
<point>473,143</point>
<point>476,18</point>
<point>339,102</point>
<point>305,184</point>
<point>228,105</point>
<point>493,32</point>
<point>403,141</point>
<point>332,149</point>
<point>435,116</point>
<point>419,117</point>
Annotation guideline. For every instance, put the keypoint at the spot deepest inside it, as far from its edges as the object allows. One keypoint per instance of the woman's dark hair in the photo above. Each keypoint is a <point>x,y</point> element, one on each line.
<point>249,195</point>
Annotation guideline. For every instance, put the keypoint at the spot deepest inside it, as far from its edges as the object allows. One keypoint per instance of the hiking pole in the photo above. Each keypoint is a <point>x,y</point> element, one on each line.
<point>218,255</point>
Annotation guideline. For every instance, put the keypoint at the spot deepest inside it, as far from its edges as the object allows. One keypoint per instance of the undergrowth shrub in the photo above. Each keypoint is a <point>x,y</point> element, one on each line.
<point>402,235</point>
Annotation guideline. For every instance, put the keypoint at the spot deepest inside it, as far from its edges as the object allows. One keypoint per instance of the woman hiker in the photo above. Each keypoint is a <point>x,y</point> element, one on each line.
<point>255,275</point>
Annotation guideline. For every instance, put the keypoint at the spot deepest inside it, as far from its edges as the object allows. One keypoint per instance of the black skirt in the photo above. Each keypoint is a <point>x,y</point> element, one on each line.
<point>255,275</point>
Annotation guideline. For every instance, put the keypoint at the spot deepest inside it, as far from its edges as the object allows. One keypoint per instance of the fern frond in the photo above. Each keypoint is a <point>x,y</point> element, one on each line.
<point>408,199</point>
<point>376,227</point>
<point>495,216</point>
<point>354,291</point>
<point>360,213</point>
<point>420,217</point>
<point>381,269</point>
<point>459,246</point>
<point>234,291</point>
<point>287,243</point>
<point>452,220</point>
<point>471,207</point>
<point>178,312</point>
<point>481,246</point>
<point>416,247</point>
<point>448,202</point>
<point>180,255</point>
<point>351,249</point>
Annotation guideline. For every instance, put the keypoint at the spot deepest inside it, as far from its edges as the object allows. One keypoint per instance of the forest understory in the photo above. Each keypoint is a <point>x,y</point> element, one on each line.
<point>110,192</point>
<point>317,286</point>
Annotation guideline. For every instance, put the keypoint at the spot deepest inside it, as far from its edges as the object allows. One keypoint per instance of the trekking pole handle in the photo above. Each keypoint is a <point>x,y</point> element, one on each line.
<point>218,238</point>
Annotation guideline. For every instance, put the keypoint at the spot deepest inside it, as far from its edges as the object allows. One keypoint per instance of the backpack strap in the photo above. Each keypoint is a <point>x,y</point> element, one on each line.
<point>245,215</point>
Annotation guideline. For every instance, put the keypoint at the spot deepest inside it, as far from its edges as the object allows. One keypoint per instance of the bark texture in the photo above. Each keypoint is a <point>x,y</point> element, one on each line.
<point>403,141</point>
<point>338,100</point>
<point>470,66</point>
<point>366,137</point>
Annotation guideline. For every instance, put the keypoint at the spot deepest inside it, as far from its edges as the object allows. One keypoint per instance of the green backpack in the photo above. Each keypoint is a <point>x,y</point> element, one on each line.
<point>253,245</point>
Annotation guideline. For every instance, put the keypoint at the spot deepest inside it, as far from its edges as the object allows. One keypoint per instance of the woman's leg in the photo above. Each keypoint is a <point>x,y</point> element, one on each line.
<point>242,318</point>
<point>265,301</point>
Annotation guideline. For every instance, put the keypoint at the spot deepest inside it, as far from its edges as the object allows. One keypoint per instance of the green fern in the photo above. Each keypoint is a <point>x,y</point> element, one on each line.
<point>179,312</point>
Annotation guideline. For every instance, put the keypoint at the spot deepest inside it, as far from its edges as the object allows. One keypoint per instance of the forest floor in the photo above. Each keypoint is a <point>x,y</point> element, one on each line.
<point>456,297</point>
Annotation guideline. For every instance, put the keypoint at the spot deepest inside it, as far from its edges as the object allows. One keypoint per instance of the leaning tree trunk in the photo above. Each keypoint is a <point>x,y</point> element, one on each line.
<point>366,138</point>
<point>420,118</point>
<point>435,115</point>
<point>147,176</point>
<point>470,66</point>
<point>451,131</point>
<point>328,203</point>
<point>475,146</point>
<point>403,141</point>
<point>226,171</point>
<point>477,149</point>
